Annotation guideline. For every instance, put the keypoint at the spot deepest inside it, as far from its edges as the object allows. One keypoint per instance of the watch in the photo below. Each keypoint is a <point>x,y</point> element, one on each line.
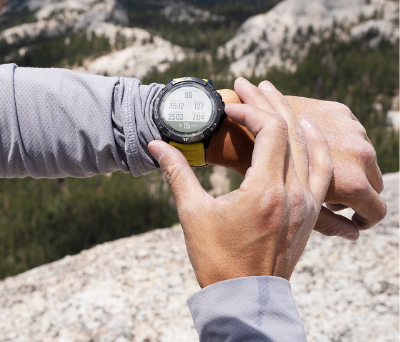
<point>187,111</point>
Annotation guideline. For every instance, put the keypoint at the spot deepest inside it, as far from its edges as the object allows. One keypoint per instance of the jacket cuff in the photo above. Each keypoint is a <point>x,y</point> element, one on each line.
<point>244,309</point>
<point>138,124</point>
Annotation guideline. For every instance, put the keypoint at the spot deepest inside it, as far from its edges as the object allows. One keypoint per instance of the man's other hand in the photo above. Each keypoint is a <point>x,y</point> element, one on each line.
<point>357,180</point>
<point>263,227</point>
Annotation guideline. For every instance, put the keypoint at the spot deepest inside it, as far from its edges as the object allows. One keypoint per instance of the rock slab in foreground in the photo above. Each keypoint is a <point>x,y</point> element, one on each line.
<point>135,289</point>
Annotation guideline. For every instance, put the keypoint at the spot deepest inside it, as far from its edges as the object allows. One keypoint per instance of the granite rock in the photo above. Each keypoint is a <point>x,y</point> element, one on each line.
<point>135,289</point>
<point>282,36</point>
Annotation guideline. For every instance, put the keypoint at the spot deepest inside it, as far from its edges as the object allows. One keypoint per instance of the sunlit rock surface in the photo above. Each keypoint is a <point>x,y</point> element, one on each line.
<point>56,18</point>
<point>283,35</point>
<point>135,52</point>
<point>135,289</point>
<point>142,53</point>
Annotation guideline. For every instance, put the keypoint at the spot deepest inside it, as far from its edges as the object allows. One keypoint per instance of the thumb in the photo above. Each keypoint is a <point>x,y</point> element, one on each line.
<point>177,172</point>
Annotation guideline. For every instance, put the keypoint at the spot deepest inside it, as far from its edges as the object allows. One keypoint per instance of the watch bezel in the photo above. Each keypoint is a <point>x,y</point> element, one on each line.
<point>194,137</point>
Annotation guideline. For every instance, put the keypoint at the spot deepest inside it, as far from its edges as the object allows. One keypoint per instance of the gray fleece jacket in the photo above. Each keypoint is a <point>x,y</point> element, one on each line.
<point>56,123</point>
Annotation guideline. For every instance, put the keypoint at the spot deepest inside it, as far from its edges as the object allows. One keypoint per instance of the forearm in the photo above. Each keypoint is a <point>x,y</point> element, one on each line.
<point>247,309</point>
<point>56,123</point>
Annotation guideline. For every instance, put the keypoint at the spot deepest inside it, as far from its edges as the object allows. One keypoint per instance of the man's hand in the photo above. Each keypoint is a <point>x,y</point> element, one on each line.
<point>357,180</point>
<point>263,227</point>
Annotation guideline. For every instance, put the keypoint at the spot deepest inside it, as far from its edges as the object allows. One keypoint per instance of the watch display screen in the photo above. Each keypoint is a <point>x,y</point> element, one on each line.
<point>187,108</point>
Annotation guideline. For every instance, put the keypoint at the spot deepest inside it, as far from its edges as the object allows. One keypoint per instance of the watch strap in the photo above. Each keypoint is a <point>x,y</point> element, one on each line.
<point>194,153</point>
<point>204,79</point>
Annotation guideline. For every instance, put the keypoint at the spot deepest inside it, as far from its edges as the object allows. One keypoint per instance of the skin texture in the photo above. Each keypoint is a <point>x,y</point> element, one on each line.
<point>357,180</point>
<point>263,227</point>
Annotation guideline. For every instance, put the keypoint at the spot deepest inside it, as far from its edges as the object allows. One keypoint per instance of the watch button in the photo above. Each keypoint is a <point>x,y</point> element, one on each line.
<point>209,87</point>
<point>206,133</point>
<point>166,132</point>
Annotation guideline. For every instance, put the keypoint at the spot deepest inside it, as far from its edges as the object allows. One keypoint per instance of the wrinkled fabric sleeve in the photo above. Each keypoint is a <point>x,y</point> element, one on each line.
<point>256,309</point>
<point>56,123</point>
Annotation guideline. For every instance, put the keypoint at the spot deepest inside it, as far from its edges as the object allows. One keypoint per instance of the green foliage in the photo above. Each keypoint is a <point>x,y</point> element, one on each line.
<point>54,52</point>
<point>44,220</point>
<point>205,36</point>
<point>199,36</point>
<point>22,17</point>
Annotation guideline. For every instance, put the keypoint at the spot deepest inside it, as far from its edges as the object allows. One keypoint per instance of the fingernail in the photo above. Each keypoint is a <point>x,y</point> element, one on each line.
<point>243,80</point>
<point>268,86</point>
<point>155,151</point>
<point>351,237</point>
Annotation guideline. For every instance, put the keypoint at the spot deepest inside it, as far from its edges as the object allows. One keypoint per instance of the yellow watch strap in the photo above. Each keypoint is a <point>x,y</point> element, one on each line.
<point>204,79</point>
<point>194,153</point>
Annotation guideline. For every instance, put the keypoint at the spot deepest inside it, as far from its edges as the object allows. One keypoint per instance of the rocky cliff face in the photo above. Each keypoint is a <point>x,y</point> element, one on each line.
<point>139,53</point>
<point>54,18</point>
<point>135,289</point>
<point>283,35</point>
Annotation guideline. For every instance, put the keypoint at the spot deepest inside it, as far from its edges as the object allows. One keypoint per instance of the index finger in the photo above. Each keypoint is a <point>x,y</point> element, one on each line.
<point>270,153</point>
<point>370,210</point>
<point>267,97</point>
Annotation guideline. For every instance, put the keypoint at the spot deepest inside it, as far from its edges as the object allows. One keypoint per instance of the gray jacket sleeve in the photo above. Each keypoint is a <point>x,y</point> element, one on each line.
<point>256,309</point>
<point>57,123</point>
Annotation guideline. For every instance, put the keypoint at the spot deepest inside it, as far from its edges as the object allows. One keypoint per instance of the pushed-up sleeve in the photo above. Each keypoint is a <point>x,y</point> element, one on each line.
<point>56,123</point>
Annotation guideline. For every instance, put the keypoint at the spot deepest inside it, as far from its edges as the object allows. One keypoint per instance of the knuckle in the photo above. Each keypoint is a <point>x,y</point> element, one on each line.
<point>381,214</point>
<point>171,173</point>
<point>326,167</point>
<point>360,129</point>
<point>380,186</point>
<point>353,188</point>
<point>299,207</point>
<point>282,101</point>
<point>369,153</point>
<point>359,189</point>
<point>278,123</point>
<point>271,208</point>
<point>340,108</point>
<point>298,219</point>
<point>365,152</point>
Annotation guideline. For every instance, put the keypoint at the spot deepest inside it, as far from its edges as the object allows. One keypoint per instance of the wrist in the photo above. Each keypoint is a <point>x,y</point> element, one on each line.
<point>232,145</point>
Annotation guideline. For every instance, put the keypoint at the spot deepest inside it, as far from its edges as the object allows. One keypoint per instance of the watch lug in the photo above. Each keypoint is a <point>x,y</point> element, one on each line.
<point>206,142</point>
<point>164,138</point>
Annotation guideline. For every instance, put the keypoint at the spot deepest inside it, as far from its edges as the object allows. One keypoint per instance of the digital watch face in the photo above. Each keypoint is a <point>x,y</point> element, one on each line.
<point>187,108</point>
